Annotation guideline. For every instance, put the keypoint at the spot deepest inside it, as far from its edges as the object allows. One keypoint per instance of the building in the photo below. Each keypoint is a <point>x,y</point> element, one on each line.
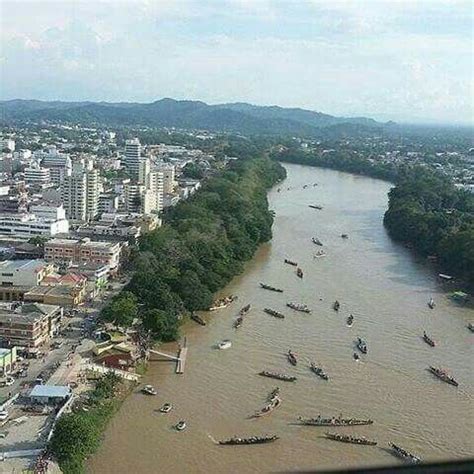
<point>49,211</point>
<point>83,251</point>
<point>28,225</point>
<point>109,231</point>
<point>108,203</point>
<point>37,176</point>
<point>28,325</point>
<point>58,164</point>
<point>50,394</point>
<point>132,157</point>
<point>169,182</point>
<point>80,192</point>
<point>8,144</point>
<point>7,360</point>
<point>23,272</point>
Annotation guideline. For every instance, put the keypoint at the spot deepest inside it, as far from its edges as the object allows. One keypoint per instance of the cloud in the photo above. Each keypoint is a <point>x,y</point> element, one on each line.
<point>346,58</point>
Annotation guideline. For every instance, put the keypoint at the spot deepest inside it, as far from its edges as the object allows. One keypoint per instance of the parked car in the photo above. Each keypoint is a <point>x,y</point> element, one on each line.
<point>7,381</point>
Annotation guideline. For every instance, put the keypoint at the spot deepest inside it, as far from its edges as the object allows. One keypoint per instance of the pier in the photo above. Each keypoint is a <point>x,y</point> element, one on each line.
<point>180,358</point>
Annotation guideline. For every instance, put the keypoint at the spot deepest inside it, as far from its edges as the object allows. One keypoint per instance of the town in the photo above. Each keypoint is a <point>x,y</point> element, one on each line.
<point>70,212</point>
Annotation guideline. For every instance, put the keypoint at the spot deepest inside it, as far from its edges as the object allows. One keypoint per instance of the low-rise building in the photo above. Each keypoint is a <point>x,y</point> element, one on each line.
<point>83,251</point>
<point>7,360</point>
<point>28,225</point>
<point>23,272</point>
<point>28,325</point>
<point>50,394</point>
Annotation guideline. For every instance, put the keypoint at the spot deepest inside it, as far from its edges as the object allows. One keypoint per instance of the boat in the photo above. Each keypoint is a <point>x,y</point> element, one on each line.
<point>319,208</point>
<point>336,305</point>
<point>319,254</point>
<point>334,421</point>
<point>443,375</point>
<point>149,390</point>
<point>299,307</point>
<point>362,345</point>
<point>299,272</point>
<point>404,454</point>
<point>350,439</point>
<point>238,322</point>
<point>166,408</point>
<point>275,375</point>
<point>350,320</point>
<point>251,440</point>
<point>316,241</point>
<point>319,371</point>
<point>428,339</point>
<point>431,303</point>
<point>225,344</point>
<point>271,288</point>
<point>244,310</point>
<point>292,358</point>
<point>198,319</point>
<point>356,356</point>
<point>273,401</point>
<point>180,426</point>
<point>445,277</point>
<point>274,313</point>
<point>470,326</point>
<point>344,236</point>
<point>290,262</point>
<point>222,302</point>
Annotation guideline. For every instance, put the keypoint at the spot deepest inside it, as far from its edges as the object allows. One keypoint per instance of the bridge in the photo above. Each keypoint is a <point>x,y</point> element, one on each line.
<point>180,358</point>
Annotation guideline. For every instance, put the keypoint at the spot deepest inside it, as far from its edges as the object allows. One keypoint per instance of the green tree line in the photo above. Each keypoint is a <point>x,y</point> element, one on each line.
<point>202,245</point>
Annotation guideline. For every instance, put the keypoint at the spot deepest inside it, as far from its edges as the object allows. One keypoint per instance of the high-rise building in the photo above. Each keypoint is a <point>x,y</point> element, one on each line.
<point>132,157</point>
<point>59,164</point>
<point>169,182</point>
<point>37,176</point>
<point>80,191</point>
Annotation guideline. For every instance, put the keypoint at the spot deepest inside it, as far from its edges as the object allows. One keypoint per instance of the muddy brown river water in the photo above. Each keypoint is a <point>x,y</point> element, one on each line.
<point>380,282</point>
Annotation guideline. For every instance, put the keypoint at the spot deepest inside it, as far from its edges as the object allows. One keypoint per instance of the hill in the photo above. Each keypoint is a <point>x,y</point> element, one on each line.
<point>236,117</point>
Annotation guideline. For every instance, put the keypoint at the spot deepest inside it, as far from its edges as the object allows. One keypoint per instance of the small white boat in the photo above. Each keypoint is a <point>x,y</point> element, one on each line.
<point>225,344</point>
<point>149,390</point>
<point>181,425</point>
<point>166,408</point>
<point>431,303</point>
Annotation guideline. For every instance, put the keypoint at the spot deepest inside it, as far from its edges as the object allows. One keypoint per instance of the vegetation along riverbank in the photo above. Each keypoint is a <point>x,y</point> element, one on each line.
<point>426,211</point>
<point>201,246</point>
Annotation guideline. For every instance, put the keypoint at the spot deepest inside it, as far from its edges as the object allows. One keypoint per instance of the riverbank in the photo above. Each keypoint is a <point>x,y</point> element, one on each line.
<point>425,211</point>
<point>376,280</point>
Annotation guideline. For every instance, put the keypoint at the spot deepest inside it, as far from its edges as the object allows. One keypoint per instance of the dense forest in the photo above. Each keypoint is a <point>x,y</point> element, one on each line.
<point>427,211</point>
<point>203,244</point>
<point>342,160</point>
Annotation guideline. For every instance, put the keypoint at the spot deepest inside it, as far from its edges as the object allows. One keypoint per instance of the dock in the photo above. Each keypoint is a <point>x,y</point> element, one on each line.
<point>180,358</point>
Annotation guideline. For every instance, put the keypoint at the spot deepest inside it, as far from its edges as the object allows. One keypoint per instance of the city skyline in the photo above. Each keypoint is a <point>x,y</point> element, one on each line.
<point>342,58</point>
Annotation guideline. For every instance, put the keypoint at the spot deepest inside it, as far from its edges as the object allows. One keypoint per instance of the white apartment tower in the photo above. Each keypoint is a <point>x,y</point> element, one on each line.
<point>80,191</point>
<point>132,157</point>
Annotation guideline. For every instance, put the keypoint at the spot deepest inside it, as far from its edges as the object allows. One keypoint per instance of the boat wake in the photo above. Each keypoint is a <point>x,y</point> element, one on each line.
<point>212,439</point>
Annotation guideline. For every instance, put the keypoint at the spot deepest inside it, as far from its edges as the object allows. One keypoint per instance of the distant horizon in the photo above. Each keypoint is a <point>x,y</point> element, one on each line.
<point>379,118</point>
<point>399,60</point>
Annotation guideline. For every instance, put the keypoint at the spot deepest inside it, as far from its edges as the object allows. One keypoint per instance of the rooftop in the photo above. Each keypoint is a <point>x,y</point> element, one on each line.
<point>57,391</point>
<point>17,265</point>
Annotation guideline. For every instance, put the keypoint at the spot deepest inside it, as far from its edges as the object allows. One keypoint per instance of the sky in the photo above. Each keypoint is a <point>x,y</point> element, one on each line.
<point>404,60</point>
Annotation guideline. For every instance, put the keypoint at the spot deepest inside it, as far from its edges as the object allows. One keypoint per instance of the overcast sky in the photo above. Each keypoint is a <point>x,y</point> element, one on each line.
<point>401,60</point>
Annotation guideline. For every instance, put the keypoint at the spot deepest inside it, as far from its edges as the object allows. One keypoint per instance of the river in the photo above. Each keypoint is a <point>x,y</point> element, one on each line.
<point>380,282</point>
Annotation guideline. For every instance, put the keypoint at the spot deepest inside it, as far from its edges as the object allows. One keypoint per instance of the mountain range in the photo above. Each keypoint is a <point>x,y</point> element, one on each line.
<point>235,117</point>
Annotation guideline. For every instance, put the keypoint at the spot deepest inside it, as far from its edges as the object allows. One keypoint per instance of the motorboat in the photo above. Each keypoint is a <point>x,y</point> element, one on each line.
<point>336,305</point>
<point>149,390</point>
<point>431,303</point>
<point>362,345</point>
<point>356,356</point>
<point>316,241</point>
<point>166,408</point>
<point>180,426</point>
<point>344,236</point>
<point>245,310</point>
<point>350,320</point>
<point>299,272</point>
<point>225,344</point>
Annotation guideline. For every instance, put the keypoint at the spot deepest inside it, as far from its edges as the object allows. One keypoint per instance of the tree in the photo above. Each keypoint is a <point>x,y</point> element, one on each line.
<point>122,310</point>
<point>163,325</point>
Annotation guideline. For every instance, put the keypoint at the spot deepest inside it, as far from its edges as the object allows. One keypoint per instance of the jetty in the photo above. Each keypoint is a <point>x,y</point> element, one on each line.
<point>180,358</point>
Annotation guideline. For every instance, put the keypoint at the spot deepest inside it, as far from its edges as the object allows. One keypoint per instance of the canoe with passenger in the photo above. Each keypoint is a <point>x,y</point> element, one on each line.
<point>271,288</point>
<point>334,421</point>
<point>274,313</point>
<point>428,340</point>
<point>278,376</point>
<point>316,241</point>
<point>245,310</point>
<point>195,317</point>
<point>315,206</point>
<point>299,307</point>
<point>443,375</point>
<point>292,357</point>
<point>291,262</point>
<point>222,302</point>
<point>351,439</point>
<point>236,441</point>
<point>404,454</point>
<point>319,371</point>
